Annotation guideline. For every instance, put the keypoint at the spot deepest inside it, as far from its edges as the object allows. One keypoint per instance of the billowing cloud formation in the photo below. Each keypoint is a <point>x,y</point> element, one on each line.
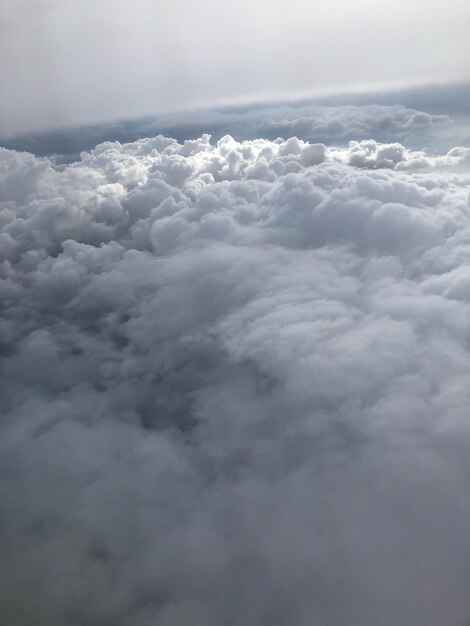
<point>235,385</point>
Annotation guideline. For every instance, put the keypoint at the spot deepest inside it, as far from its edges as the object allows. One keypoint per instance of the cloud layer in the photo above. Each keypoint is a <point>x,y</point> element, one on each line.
<point>235,385</point>
<point>332,125</point>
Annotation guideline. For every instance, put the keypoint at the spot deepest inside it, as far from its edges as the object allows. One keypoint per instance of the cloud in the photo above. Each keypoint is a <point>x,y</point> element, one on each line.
<point>332,124</point>
<point>235,385</point>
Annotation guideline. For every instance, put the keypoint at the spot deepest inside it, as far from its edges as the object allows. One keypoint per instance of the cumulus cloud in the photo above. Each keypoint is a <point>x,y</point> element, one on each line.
<point>235,385</point>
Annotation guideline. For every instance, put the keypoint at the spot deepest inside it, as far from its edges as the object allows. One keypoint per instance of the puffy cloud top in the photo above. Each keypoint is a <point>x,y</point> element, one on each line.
<point>235,385</point>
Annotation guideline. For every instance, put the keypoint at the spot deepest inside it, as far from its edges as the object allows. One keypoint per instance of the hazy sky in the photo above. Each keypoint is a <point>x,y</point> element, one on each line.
<point>67,62</point>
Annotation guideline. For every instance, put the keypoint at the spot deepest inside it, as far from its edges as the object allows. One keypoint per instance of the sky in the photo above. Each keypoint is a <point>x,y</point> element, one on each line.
<point>66,63</point>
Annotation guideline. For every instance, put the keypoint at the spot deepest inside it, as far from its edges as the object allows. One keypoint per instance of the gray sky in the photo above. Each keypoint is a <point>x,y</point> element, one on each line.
<point>66,62</point>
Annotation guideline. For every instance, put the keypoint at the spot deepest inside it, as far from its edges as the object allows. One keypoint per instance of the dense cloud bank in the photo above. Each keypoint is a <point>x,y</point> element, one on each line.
<point>331,125</point>
<point>235,386</point>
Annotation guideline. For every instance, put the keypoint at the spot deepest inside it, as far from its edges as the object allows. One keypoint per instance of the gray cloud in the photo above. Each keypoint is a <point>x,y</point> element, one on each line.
<point>332,125</point>
<point>235,385</point>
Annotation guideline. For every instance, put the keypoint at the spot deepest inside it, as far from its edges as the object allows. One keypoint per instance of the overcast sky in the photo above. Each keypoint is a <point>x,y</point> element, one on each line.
<point>65,62</point>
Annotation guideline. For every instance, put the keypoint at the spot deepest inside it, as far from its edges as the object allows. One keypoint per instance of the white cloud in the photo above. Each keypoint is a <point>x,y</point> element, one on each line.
<point>235,385</point>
